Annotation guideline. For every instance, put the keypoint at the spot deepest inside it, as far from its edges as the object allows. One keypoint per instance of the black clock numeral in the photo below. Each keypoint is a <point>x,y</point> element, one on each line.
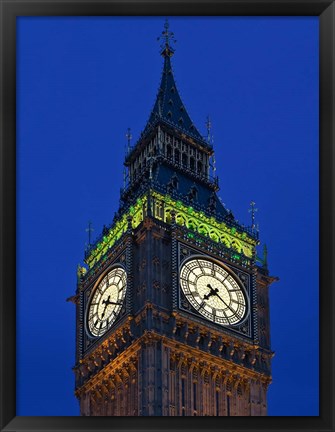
<point>202,304</point>
<point>224,313</point>
<point>92,315</point>
<point>236,301</point>
<point>201,268</point>
<point>226,277</point>
<point>213,272</point>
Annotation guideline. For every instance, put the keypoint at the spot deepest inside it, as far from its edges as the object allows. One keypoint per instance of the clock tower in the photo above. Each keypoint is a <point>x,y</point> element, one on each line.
<point>172,306</point>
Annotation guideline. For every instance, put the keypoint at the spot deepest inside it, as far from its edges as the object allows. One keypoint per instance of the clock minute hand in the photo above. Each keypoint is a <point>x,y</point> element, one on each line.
<point>107,303</point>
<point>214,291</point>
<point>232,310</point>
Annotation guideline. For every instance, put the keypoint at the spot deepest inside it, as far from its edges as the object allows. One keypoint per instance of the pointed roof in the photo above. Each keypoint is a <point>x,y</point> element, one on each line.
<point>168,107</point>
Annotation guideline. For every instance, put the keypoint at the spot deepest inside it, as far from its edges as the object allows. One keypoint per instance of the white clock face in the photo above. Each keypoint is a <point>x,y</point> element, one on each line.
<point>214,291</point>
<point>106,301</point>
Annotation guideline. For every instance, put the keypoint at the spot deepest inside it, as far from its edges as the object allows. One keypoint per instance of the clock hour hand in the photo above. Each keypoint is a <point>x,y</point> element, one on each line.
<point>213,291</point>
<point>106,302</point>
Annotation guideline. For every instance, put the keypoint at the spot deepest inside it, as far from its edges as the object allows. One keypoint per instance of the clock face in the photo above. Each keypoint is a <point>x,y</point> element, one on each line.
<point>214,291</point>
<point>106,301</point>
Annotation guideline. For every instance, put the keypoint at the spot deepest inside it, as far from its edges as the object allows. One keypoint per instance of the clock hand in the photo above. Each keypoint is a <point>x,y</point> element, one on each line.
<point>106,301</point>
<point>212,292</point>
<point>216,293</point>
<point>106,304</point>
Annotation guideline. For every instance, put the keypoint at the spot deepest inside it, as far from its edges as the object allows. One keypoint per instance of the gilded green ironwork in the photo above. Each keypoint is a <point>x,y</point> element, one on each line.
<point>186,216</point>
<point>208,226</point>
<point>115,233</point>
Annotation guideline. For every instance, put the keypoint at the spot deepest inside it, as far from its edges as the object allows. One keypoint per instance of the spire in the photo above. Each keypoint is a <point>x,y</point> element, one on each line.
<point>168,107</point>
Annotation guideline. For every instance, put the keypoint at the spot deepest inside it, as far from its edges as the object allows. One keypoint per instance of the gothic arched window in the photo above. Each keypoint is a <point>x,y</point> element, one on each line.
<point>193,194</point>
<point>177,156</point>
<point>192,163</point>
<point>184,160</point>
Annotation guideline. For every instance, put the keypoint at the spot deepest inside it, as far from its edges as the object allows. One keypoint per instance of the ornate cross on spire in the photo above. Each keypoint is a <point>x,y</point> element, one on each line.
<point>253,210</point>
<point>166,38</point>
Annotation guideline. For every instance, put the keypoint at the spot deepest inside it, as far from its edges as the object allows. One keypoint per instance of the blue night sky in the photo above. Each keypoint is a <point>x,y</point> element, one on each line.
<point>81,82</point>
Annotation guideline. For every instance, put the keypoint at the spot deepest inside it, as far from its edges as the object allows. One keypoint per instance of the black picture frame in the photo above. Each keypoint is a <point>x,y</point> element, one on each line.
<point>10,9</point>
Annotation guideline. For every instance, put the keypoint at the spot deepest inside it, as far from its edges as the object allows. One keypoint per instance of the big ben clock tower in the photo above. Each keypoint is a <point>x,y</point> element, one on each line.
<point>172,306</point>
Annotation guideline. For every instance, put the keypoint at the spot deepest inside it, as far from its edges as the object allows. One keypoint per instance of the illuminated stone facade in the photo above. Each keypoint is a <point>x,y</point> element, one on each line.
<point>160,356</point>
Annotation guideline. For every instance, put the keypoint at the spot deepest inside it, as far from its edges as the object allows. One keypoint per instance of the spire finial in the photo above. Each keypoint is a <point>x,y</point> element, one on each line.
<point>253,210</point>
<point>129,137</point>
<point>89,229</point>
<point>166,38</point>
<point>209,128</point>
